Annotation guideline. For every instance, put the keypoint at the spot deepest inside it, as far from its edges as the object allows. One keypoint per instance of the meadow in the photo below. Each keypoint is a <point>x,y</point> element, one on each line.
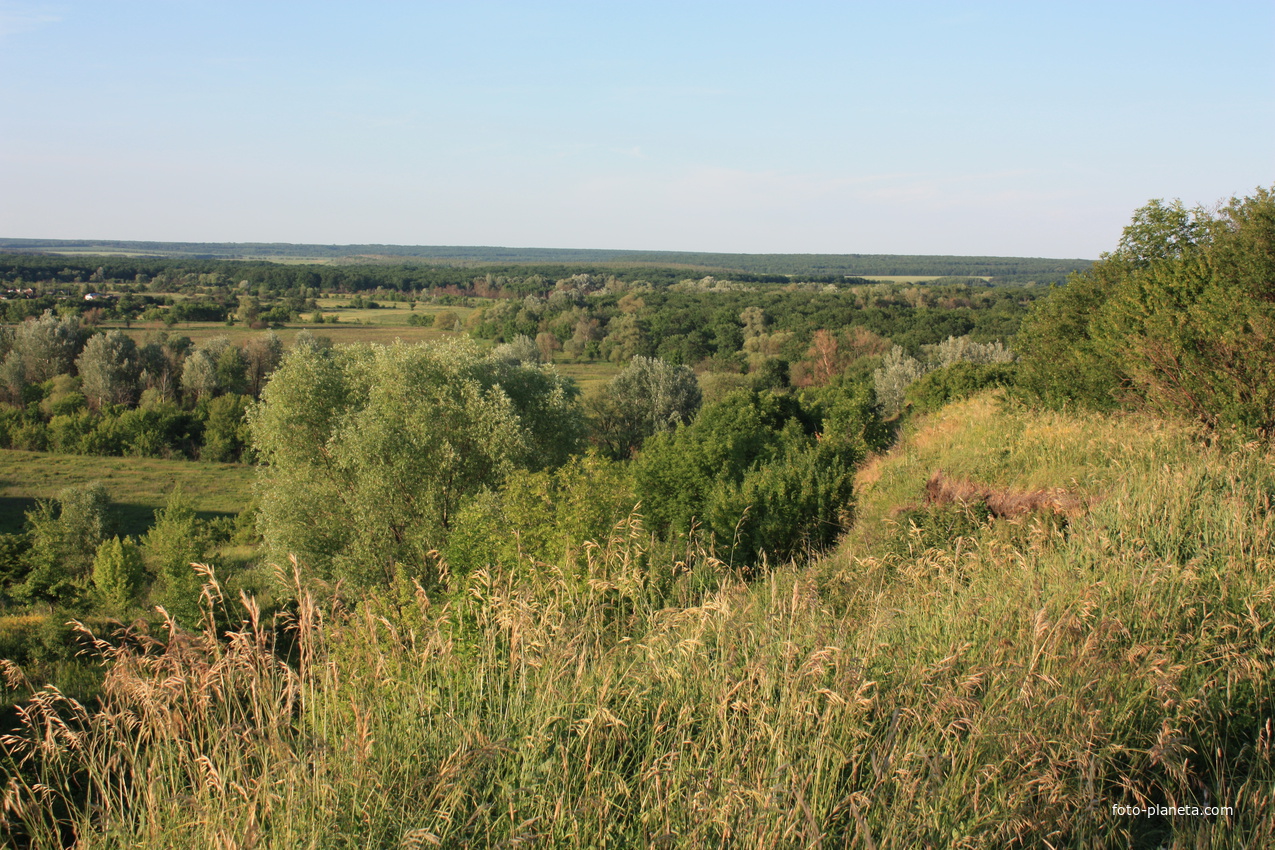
<point>137,486</point>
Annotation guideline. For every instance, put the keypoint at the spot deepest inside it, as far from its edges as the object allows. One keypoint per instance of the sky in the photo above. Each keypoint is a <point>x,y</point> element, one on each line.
<point>1011,128</point>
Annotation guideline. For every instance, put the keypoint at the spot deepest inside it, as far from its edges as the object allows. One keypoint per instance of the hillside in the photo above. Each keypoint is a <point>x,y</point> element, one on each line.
<point>944,679</point>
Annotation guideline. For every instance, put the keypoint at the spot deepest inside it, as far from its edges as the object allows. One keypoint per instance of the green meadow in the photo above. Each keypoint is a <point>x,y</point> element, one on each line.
<point>137,486</point>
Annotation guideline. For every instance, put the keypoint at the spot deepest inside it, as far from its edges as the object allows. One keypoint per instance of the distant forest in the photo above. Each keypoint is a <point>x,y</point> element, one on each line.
<point>779,267</point>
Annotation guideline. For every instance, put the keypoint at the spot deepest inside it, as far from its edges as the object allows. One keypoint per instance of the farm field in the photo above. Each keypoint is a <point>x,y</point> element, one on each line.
<point>137,486</point>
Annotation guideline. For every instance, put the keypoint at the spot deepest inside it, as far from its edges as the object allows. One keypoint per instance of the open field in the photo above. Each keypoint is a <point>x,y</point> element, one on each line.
<point>589,376</point>
<point>137,486</point>
<point>343,332</point>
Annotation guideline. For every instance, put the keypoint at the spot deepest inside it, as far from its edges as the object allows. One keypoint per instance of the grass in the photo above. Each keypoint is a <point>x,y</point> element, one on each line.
<point>942,680</point>
<point>591,376</point>
<point>342,332</point>
<point>137,486</point>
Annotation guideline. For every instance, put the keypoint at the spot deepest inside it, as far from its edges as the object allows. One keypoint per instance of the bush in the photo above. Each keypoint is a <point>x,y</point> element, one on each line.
<point>753,472</point>
<point>541,517</point>
<point>960,380</point>
<point>1179,319</point>
<point>118,573</point>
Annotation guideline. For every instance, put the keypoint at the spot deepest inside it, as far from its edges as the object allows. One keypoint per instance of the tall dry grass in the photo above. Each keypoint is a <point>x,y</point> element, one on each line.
<point>1004,683</point>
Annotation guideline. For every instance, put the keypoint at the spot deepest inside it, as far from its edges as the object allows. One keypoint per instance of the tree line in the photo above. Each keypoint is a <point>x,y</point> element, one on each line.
<point>786,266</point>
<point>71,389</point>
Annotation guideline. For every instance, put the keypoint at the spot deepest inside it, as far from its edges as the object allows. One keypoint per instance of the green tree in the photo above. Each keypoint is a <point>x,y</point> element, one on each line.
<point>249,309</point>
<point>1180,318</point>
<point>1194,329</point>
<point>647,397</point>
<point>369,452</point>
<point>109,368</point>
<point>199,375</point>
<point>46,346</point>
<point>64,541</point>
<point>755,473</point>
<point>118,573</point>
<point>232,370</point>
<point>226,432</point>
<point>261,355</point>
<point>174,542</point>
<point>626,338</point>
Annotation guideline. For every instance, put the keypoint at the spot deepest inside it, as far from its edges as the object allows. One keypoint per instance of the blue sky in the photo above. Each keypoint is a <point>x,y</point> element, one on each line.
<point>1025,128</point>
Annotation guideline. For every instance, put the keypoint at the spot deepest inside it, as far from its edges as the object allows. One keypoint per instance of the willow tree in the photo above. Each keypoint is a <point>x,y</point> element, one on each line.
<point>369,452</point>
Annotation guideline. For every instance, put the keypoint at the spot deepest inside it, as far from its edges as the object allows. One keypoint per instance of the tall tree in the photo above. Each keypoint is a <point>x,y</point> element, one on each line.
<point>369,452</point>
<point>647,397</point>
<point>1180,318</point>
<point>108,367</point>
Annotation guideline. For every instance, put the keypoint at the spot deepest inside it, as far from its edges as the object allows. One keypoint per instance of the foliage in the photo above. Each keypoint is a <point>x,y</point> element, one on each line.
<point>898,372</point>
<point>649,396</point>
<point>45,346</point>
<point>548,517</point>
<point>956,381</point>
<point>848,413</point>
<point>370,452</point>
<point>108,368</point>
<point>118,572</point>
<point>754,473</point>
<point>226,433</point>
<point>1179,319</point>
<point>64,542</point>
<point>546,404</point>
<point>1194,328</point>
<point>172,545</point>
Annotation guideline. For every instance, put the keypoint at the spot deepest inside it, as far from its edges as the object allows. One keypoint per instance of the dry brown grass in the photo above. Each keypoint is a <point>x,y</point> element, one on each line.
<point>1003,503</point>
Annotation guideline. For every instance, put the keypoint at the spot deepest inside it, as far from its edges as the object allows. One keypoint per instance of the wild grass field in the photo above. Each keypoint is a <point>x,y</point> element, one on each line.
<point>945,678</point>
<point>137,486</point>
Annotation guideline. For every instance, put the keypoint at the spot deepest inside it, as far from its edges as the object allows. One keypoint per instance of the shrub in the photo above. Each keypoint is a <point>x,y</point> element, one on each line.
<point>1180,319</point>
<point>752,471</point>
<point>957,381</point>
<point>118,572</point>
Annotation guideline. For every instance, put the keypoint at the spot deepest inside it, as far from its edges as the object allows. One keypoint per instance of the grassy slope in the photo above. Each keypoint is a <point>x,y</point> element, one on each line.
<point>939,681</point>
